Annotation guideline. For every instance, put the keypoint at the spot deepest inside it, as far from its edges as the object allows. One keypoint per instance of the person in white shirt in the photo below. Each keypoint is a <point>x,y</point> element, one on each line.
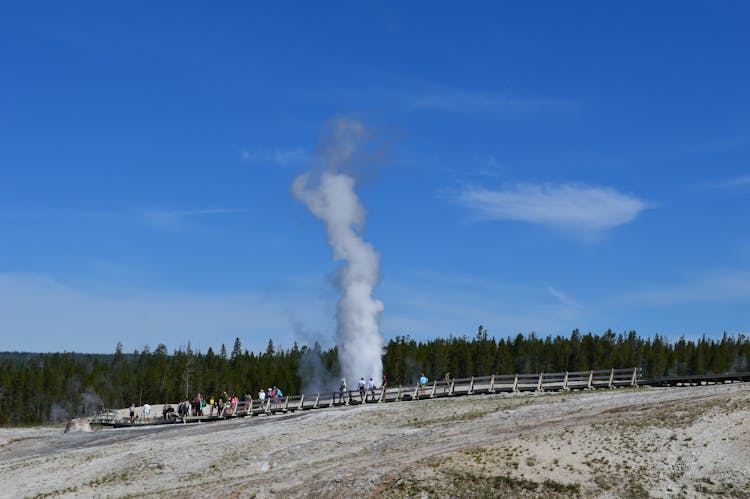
<point>371,388</point>
<point>342,391</point>
<point>361,386</point>
<point>262,396</point>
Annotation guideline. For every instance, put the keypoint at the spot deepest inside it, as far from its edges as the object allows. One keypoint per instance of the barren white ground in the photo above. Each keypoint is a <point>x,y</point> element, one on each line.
<point>659,442</point>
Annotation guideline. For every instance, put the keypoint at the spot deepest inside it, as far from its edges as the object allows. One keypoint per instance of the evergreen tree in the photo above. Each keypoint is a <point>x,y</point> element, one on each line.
<point>40,388</point>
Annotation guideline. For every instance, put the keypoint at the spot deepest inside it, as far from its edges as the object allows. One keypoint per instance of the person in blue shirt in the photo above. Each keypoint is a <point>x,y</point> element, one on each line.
<point>280,397</point>
<point>422,382</point>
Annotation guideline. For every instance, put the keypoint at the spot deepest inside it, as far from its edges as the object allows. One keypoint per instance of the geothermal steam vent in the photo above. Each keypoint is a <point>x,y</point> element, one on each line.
<point>330,197</point>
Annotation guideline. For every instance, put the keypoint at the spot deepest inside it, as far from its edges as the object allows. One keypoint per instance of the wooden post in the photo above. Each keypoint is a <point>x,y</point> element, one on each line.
<point>565,381</point>
<point>434,385</point>
<point>301,401</point>
<point>471,387</point>
<point>515,384</point>
<point>268,406</point>
<point>317,401</point>
<point>634,381</point>
<point>591,379</point>
<point>382,394</point>
<point>539,384</point>
<point>453,385</point>
<point>611,377</point>
<point>492,384</point>
<point>416,392</point>
<point>398,396</point>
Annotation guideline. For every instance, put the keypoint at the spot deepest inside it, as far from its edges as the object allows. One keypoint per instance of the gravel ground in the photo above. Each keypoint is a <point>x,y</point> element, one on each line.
<point>646,442</point>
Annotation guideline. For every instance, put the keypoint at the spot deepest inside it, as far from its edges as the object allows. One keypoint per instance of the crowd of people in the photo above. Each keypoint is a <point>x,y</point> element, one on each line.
<point>365,389</point>
<point>272,398</point>
<point>222,406</point>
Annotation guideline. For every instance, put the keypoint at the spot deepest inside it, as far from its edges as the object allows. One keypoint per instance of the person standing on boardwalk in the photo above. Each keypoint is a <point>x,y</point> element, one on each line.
<point>361,386</point>
<point>342,390</point>
<point>422,382</point>
<point>262,398</point>
<point>447,381</point>
<point>197,403</point>
<point>280,397</point>
<point>371,388</point>
<point>132,412</point>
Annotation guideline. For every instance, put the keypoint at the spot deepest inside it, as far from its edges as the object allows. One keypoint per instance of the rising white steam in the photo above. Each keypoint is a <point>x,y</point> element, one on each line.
<point>331,198</point>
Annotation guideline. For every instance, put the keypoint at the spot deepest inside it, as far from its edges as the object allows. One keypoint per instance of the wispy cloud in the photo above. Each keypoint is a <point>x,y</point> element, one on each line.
<point>741,181</point>
<point>567,307</point>
<point>178,219</point>
<point>276,156</point>
<point>719,144</point>
<point>40,313</point>
<point>427,307</point>
<point>719,286</point>
<point>470,101</point>
<point>489,167</point>
<point>568,206</point>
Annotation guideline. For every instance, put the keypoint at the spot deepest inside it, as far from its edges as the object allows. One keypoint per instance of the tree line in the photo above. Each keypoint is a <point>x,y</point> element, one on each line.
<point>42,388</point>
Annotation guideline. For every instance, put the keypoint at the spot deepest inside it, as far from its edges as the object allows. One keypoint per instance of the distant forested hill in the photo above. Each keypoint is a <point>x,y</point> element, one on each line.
<point>47,387</point>
<point>21,357</point>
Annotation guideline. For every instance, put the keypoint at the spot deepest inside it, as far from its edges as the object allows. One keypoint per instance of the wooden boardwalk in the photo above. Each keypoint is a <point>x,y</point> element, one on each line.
<point>476,385</point>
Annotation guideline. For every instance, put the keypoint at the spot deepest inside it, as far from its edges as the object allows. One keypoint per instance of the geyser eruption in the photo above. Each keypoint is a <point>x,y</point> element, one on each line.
<point>331,198</point>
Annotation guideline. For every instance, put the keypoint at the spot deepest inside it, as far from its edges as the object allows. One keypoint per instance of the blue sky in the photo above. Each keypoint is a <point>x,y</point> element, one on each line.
<point>537,167</point>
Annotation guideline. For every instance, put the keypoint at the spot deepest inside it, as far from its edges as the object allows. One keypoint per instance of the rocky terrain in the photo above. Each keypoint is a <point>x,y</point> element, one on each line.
<point>640,442</point>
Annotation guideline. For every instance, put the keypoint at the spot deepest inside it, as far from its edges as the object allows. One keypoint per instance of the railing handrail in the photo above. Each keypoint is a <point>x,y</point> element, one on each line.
<point>562,380</point>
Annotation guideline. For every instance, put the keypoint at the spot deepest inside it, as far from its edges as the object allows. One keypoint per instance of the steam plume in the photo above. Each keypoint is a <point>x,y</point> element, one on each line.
<point>331,198</point>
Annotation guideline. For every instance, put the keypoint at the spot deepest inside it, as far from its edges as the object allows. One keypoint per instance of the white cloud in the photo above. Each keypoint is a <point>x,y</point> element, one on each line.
<point>177,219</point>
<point>276,156</point>
<point>467,101</point>
<point>741,181</point>
<point>719,286</point>
<point>568,206</point>
<point>567,308</point>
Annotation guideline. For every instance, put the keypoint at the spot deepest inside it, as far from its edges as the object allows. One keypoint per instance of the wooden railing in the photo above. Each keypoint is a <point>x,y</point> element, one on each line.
<point>475,385</point>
